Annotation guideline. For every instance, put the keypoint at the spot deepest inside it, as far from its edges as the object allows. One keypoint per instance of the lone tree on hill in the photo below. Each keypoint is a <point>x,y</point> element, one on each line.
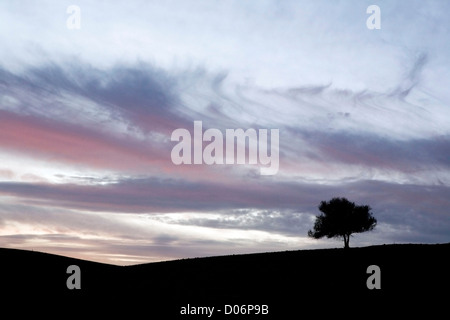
<point>341,218</point>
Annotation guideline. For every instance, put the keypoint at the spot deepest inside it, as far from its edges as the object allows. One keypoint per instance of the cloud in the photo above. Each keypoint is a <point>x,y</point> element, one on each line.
<point>156,195</point>
<point>117,238</point>
<point>412,78</point>
<point>75,144</point>
<point>117,119</point>
<point>386,153</point>
<point>140,94</point>
<point>288,221</point>
<point>406,213</point>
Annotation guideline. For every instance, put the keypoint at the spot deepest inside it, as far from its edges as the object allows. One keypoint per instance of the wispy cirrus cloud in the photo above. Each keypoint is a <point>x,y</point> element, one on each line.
<point>133,143</point>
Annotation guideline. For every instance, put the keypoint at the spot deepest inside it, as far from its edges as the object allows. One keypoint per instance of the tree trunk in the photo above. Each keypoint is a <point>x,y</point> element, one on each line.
<point>346,241</point>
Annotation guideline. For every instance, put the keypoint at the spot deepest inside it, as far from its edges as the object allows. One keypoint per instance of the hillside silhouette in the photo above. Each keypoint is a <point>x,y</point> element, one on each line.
<point>305,282</point>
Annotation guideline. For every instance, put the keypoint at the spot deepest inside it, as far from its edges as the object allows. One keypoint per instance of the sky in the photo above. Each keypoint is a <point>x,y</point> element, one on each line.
<point>88,106</point>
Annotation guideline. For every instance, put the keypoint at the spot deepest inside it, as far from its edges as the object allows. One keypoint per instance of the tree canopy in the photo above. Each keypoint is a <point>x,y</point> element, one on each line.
<point>340,218</point>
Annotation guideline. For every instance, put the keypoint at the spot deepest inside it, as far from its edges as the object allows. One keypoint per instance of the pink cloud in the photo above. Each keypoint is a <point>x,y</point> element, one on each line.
<point>54,141</point>
<point>68,143</point>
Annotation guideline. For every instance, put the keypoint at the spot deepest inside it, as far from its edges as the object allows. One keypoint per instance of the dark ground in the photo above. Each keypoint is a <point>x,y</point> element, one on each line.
<point>293,284</point>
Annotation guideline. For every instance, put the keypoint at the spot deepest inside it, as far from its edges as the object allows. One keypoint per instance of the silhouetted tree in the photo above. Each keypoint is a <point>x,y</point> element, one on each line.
<point>341,218</point>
